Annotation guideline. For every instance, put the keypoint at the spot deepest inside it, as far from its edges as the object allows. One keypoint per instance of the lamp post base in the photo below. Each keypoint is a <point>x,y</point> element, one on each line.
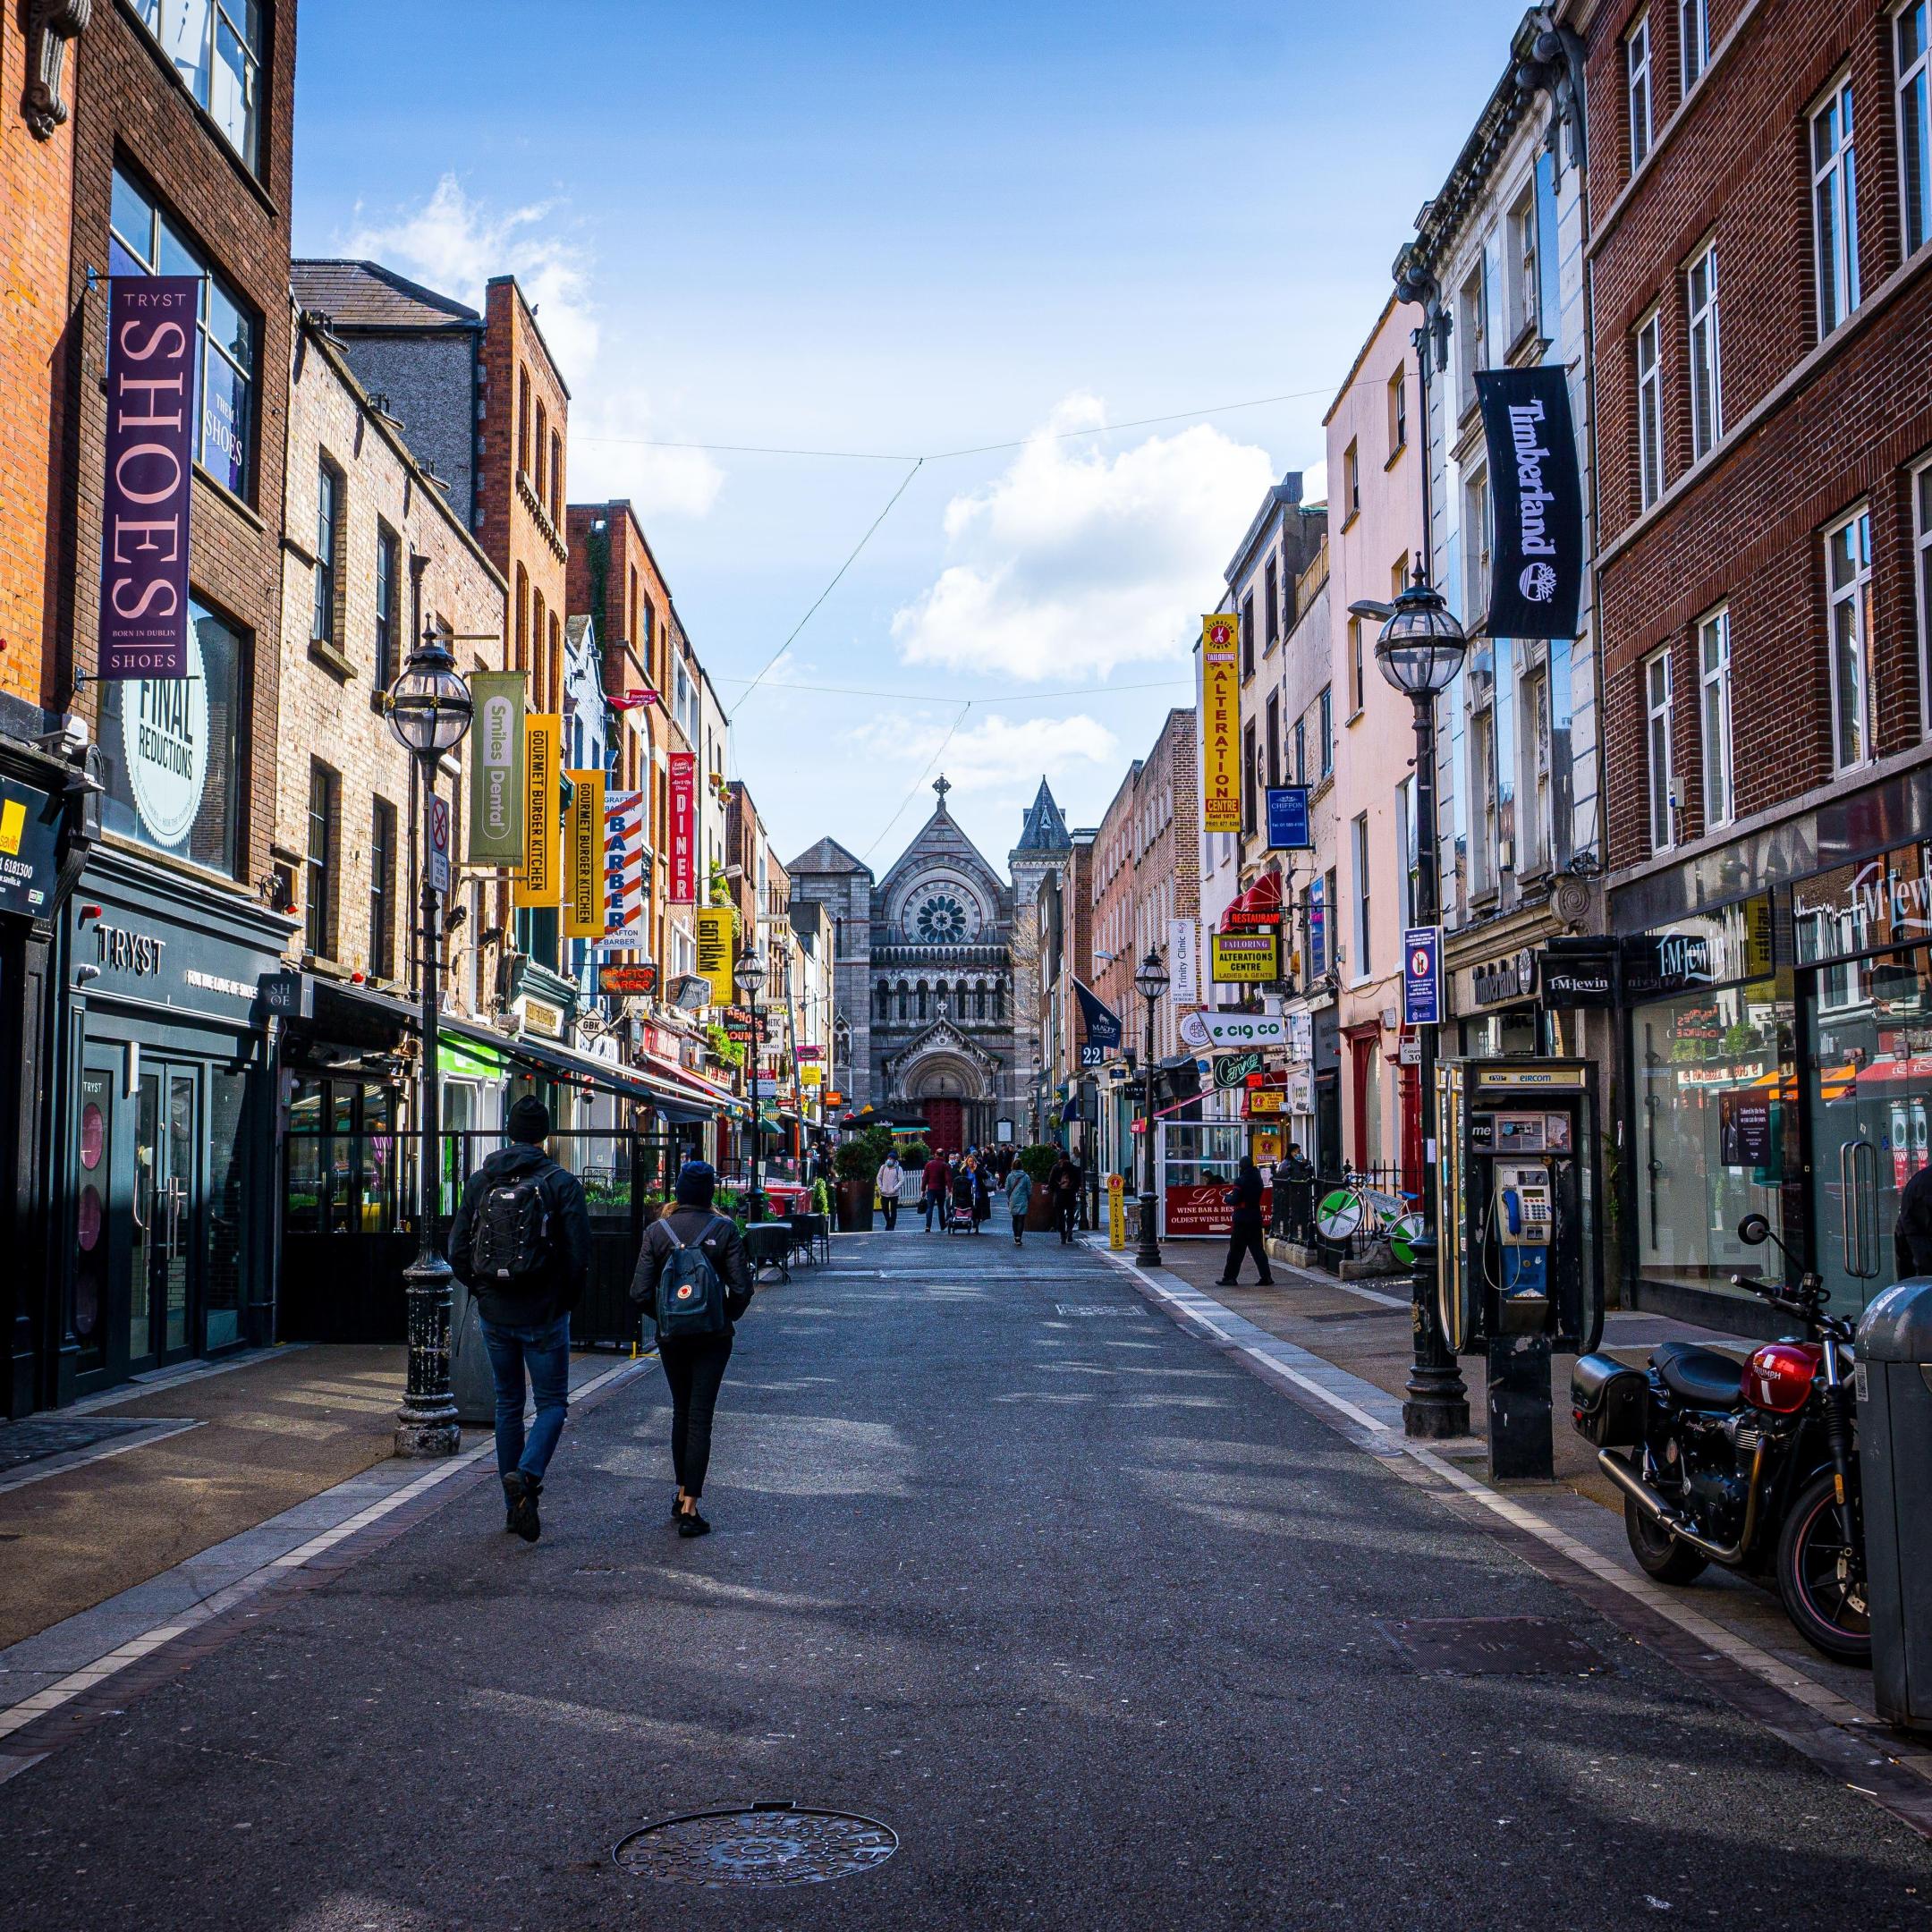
<point>1438,1404</point>
<point>427,1423</point>
<point>1147,1255</point>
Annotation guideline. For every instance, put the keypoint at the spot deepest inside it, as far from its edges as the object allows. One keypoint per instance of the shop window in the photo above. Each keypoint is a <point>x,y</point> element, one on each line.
<point>1658,737</point>
<point>1649,410</point>
<point>172,747</point>
<point>1922,584</point>
<point>1716,1133</point>
<point>1637,92</point>
<point>347,1169</point>
<point>320,869</point>
<point>143,241</point>
<point>1693,40</point>
<point>1714,675</point>
<point>1849,587</point>
<point>1707,386</point>
<point>217,47</point>
<point>382,890</point>
<point>1914,125</point>
<point>1834,209</point>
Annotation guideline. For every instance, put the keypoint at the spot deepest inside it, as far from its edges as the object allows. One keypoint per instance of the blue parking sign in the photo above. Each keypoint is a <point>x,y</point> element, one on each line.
<point>1422,976</point>
<point>1288,818</point>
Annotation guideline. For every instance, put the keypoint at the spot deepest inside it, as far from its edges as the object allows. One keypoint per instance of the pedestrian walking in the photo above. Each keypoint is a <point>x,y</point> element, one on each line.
<point>1245,1238</point>
<point>694,1277</point>
<point>1064,1183</point>
<point>1019,1198</point>
<point>521,1243</point>
<point>888,1181</point>
<point>982,1199</point>
<point>933,1183</point>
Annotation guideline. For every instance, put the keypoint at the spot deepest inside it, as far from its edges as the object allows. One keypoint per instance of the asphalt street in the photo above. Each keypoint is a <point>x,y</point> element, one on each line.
<point>1102,1627</point>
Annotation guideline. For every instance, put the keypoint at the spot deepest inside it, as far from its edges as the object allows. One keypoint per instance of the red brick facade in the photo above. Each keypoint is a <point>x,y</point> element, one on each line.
<point>1810,429</point>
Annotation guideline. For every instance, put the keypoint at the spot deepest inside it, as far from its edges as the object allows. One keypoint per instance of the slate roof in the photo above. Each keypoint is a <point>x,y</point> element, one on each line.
<point>1045,827</point>
<point>827,856</point>
<point>364,294</point>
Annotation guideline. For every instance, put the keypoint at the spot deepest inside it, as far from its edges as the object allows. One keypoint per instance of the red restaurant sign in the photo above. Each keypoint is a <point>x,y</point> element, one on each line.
<point>684,828</point>
<point>1204,1210</point>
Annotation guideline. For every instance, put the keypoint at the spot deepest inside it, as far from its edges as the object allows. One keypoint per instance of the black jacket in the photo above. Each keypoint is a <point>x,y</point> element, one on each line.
<point>1246,1197</point>
<point>558,1289</point>
<point>1911,1239</point>
<point>722,1242</point>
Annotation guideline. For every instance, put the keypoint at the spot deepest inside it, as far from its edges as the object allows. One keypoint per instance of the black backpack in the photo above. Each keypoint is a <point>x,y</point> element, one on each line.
<point>691,1297</point>
<point>512,1237</point>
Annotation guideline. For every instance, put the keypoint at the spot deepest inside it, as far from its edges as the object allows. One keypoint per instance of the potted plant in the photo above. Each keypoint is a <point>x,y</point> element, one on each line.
<point>855,1167</point>
<point>1039,1161</point>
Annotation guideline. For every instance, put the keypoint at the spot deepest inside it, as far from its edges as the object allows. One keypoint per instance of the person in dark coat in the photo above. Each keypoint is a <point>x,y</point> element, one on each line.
<point>525,1319</point>
<point>1911,1236</point>
<point>1245,1238</point>
<point>1064,1183</point>
<point>1295,1180</point>
<point>694,1365</point>
<point>934,1182</point>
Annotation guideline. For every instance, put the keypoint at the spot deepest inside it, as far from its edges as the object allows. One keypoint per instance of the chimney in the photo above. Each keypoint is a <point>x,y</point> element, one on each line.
<point>1290,484</point>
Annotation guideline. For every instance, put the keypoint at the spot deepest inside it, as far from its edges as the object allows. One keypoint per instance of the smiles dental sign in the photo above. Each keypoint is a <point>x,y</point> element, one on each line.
<point>151,336</point>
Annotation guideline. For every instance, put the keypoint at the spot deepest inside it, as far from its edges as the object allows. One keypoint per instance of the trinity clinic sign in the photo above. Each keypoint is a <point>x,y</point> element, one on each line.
<point>151,336</point>
<point>1537,576</point>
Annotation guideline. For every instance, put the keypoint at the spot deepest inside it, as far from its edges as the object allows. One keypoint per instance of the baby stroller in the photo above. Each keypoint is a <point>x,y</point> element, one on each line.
<point>959,1217</point>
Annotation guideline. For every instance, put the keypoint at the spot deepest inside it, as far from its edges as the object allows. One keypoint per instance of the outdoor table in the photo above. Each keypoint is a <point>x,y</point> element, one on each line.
<point>768,1244</point>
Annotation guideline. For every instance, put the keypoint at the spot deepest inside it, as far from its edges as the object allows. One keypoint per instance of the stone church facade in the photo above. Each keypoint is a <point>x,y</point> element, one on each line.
<point>935,976</point>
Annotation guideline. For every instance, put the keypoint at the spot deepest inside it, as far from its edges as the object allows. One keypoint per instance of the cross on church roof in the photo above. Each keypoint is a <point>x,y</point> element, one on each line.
<point>942,788</point>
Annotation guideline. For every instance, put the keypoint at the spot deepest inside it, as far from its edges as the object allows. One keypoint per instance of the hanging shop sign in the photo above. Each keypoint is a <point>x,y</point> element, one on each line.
<point>1422,976</point>
<point>1288,818</point>
<point>540,883</point>
<point>714,951</point>
<point>1183,960</point>
<point>624,862</point>
<point>1578,971</point>
<point>1232,1069</point>
<point>683,827</point>
<point>1101,1021</point>
<point>539,1016</point>
<point>1257,910</point>
<point>1233,1029</point>
<point>1267,1103</point>
<point>497,769</point>
<point>152,337</point>
<point>635,976</point>
<point>583,857</point>
<point>1246,958</point>
<point>1537,570</point>
<point>30,840</point>
<point>811,1074</point>
<point>1221,799</point>
<point>164,740</point>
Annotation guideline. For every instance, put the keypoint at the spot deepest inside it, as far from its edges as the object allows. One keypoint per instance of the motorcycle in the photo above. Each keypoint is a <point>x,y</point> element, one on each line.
<point>1754,1468</point>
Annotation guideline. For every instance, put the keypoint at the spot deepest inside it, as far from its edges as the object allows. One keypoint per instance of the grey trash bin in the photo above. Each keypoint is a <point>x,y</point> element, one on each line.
<point>1894,1401</point>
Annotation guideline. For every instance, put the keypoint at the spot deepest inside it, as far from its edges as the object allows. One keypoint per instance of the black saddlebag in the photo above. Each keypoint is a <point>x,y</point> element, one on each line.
<point>1606,1402</point>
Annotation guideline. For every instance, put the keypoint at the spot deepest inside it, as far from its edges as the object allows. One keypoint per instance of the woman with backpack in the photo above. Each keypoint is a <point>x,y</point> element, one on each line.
<point>695,1278</point>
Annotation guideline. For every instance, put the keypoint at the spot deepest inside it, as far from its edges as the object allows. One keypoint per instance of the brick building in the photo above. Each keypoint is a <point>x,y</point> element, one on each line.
<point>1762,296</point>
<point>1065,920</point>
<point>181,165</point>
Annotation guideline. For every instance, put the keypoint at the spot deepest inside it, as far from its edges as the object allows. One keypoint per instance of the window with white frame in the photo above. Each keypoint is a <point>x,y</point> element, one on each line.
<point>1471,329</point>
<point>1657,673</point>
<point>1834,208</point>
<point>1707,383</point>
<point>1358,854</point>
<point>1693,40</point>
<point>1524,270</point>
<point>1909,26</point>
<point>1476,541</point>
<point>217,47</point>
<point>1650,409</point>
<point>1714,717</point>
<point>1922,585</point>
<point>1848,579</point>
<point>1636,88</point>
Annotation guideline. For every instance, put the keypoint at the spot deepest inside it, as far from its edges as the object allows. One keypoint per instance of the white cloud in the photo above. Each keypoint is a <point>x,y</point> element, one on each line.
<point>454,244</point>
<point>1076,561</point>
<point>997,754</point>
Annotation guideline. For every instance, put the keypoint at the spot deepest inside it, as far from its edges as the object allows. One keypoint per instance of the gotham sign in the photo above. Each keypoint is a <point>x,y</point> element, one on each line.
<point>1537,577</point>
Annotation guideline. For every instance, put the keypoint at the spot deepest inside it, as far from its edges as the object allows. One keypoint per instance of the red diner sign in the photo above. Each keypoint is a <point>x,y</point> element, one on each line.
<point>684,828</point>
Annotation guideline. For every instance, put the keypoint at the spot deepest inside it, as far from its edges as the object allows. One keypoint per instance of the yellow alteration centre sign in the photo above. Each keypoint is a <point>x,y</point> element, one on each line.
<point>1220,804</point>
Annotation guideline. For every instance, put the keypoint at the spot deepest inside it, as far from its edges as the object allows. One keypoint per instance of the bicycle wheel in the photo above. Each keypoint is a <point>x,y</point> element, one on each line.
<point>1338,1215</point>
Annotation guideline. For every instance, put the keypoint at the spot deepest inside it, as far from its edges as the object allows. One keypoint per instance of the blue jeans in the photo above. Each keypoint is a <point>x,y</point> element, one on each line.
<point>544,1352</point>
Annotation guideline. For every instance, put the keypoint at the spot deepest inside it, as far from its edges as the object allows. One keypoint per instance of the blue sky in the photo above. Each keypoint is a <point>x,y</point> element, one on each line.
<point>907,232</point>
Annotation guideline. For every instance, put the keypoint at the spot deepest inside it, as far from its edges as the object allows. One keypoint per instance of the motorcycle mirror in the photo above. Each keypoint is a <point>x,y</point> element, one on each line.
<point>1754,1231</point>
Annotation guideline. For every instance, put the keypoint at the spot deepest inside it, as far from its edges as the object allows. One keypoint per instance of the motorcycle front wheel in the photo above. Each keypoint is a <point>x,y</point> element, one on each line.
<point>1658,1553</point>
<point>1820,1579</point>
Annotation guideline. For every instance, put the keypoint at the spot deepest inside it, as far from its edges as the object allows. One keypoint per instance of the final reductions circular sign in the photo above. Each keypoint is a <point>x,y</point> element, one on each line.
<point>163,735</point>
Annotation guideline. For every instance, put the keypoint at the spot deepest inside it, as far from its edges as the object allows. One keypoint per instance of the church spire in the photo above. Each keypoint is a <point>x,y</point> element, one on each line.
<point>1044,829</point>
<point>942,786</point>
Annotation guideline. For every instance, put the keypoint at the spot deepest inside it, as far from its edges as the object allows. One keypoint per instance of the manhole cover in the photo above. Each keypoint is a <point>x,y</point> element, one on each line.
<point>1494,1647</point>
<point>1097,1309</point>
<point>770,1845</point>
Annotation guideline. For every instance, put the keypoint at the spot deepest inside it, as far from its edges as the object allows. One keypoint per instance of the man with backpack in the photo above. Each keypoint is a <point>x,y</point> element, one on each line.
<point>694,1277</point>
<point>522,1242</point>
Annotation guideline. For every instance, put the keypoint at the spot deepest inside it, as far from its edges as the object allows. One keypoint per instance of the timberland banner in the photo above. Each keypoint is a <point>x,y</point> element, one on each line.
<point>497,769</point>
<point>1221,797</point>
<point>540,884</point>
<point>151,340</point>
<point>1536,572</point>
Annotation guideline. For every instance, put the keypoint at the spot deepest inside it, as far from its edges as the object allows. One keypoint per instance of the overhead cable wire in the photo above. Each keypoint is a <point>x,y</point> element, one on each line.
<point>915,697</point>
<point>952,731</point>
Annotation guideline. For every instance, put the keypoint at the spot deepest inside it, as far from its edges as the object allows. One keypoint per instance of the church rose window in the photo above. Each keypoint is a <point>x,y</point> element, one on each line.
<point>941,921</point>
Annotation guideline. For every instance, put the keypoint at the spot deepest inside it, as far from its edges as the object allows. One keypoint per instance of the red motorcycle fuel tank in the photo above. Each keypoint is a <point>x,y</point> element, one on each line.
<point>1778,1377</point>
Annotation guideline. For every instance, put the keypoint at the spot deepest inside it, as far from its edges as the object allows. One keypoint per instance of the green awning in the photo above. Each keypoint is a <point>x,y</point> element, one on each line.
<point>463,1060</point>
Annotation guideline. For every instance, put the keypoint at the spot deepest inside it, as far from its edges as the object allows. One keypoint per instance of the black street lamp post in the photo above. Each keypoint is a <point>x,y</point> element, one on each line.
<point>428,708</point>
<point>751,977</point>
<point>1419,652</point>
<point>1150,982</point>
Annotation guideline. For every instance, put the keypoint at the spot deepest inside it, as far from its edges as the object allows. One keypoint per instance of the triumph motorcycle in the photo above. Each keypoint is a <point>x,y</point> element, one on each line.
<point>1755,1468</point>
